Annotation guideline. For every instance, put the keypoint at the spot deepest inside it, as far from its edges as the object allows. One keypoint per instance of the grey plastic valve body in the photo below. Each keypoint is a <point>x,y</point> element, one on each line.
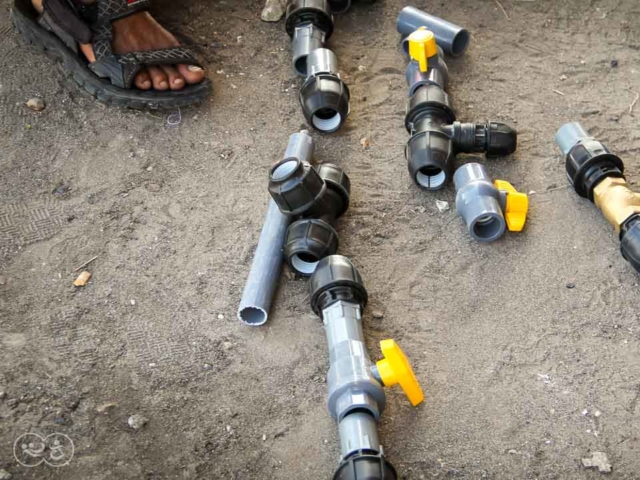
<point>479,203</point>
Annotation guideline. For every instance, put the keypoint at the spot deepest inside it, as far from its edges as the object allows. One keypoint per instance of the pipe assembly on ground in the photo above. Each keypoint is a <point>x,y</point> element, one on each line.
<point>436,136</point>
<point>314,197</point>
<point>324,96</point>
<point>597,174</point>
<point>356,397</point>
<point>267,262</point>
<point>488,208</point>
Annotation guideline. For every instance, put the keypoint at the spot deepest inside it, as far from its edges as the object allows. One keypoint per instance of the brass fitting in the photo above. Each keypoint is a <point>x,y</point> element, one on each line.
<point>616,201</point>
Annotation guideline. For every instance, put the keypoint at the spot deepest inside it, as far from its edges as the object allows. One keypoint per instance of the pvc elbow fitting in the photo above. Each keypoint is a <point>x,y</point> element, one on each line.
<point>488,208</point>
<point>453,39</point>
<point>597,174</point>
<point>324,97</point>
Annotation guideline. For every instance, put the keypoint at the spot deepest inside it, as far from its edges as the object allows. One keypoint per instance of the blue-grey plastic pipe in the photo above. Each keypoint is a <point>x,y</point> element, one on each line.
<point>267,263</point>
<point>569,135</point>
<point>453,39</point>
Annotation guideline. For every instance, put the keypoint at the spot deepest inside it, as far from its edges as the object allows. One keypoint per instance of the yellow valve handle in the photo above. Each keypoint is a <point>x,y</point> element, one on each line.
<point>422,46</point>
<point>517,206</point>
<point>395,368</point>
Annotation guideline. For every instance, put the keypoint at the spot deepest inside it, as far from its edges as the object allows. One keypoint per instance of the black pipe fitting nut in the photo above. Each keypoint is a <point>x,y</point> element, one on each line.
<point>630,241</point>
<point>295,186</point>
<point>589,162</point>
<point>316,12</point>
<point>365,466</point>
<point>336,279</point>
<point>314,237</point>
<point>324,98</point>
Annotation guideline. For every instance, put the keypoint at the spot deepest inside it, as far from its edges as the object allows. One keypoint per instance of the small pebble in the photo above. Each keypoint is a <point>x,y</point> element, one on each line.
<point>154,187</point>
<point>150,168</point>
<point>361,68</point>
<point>3,395</point>
<point>36,104</point>
<point>571,285</point>
<point>3,280</point>
<point>229,429</point>
<point>208,366</point>
<point>377,315</point>
<point>137,421</point>
<point>106,407</point>
<point>442,205</point>
<point>227,346</point>
<point>614,63</point>
<point>597,413</point>
<point>4,475</point>
<point>264,438</point>
<point>133,302</point>
<point>563,77</point>
<point>220,316</point>
<point>585,412</point>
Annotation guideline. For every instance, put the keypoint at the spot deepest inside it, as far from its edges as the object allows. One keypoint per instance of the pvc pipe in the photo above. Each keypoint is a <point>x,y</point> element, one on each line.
<point>569,135</point>
<point>267,262</point>
<point>453,39</point>
<point>358,432</point>
<point>265,269</point>
<point>306,39</point>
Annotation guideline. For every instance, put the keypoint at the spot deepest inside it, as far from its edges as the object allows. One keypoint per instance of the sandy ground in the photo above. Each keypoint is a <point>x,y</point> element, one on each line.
<point>523,376</point>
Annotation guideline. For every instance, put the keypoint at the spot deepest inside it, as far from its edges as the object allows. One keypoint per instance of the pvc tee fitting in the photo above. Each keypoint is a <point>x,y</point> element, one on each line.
<point>317,197</point>
<point>597,174</point>
<point>356,397</point>
<point>453,39</point>
<point>436,136</point>
<point>261,284</point>
<point>488,208</point>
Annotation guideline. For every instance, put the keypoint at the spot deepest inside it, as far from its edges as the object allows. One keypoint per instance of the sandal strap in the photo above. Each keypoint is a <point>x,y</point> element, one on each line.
<point>122,69</point>
<point>61,16</point>
<point>165,56</point>
<point>112,10</point>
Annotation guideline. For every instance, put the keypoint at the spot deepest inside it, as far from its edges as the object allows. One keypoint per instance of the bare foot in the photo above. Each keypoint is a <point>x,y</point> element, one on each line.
<point>140,32</point>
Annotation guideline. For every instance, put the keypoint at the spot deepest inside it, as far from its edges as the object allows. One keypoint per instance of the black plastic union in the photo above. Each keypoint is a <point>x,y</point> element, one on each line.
<point>500,139</point>
<point>588,163</point>
<point>365,466</point>
<point>429,101</point>
<point>314,237</point>
<point>295,186</point>
<point>336,279</point>
<point>317,12</point>
<point>325,102</point>
<point>630,241</point>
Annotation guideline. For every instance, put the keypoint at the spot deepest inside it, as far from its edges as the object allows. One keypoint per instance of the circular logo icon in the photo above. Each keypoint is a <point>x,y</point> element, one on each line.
<point>31,449</point>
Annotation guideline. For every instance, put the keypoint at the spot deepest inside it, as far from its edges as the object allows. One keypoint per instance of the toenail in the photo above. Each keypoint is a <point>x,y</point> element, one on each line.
<point>194,68</point>
<point>164,84</point>
<point>178,81</point>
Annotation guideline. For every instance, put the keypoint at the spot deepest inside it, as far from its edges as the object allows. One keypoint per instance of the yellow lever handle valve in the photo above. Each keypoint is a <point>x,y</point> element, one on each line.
<point>396,369</point>
<point>515,212</point>
<point>422,46</point>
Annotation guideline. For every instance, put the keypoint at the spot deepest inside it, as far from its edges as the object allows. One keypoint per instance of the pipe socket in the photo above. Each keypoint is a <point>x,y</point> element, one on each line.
<point>597,174</point>
<point>265,270</point>
<point>453,39</point>
<point>488,208</point>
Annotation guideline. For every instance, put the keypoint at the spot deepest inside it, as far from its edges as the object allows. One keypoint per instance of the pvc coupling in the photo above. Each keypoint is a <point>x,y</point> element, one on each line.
<point>324,97</point>
<point>597,174</point>
<point>317,197</point>
<point>267,262</point>
<point>453,39</point>
<point>436,136</point>
<point>488,208</point>
<point>356,396</point>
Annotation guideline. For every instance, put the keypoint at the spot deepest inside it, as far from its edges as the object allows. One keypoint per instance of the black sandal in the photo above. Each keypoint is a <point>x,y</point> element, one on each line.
<point>64,24</point>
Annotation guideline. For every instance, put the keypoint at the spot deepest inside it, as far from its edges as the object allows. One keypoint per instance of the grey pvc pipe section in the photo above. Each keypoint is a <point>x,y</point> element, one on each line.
<point>569,135</point>
<point>265,269</point>
<point>321,60</point>
<point>267,262</point>
<point>479,203</point>
<point>453,39</point>
<point>358,432</point>
<point>306,39</point>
